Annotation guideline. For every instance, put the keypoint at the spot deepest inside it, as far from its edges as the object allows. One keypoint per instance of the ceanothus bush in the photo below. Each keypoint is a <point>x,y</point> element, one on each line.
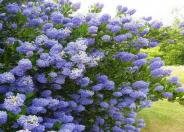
<point>73,73</point>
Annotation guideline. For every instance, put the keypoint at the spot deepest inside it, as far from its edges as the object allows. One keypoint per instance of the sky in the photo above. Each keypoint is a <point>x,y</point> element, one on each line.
<point>164,10</point>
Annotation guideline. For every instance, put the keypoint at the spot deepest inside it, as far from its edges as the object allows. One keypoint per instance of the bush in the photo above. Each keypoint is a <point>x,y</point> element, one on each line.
<point>171,45</point>
<point>65,72</point>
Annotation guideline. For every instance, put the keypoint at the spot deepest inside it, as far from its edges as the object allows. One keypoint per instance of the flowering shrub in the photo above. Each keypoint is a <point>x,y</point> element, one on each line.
<point>73,73</point>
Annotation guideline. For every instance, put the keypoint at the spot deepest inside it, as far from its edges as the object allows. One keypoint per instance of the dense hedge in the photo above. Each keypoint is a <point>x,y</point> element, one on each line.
<point>72,73</point>
<point>171,47</point>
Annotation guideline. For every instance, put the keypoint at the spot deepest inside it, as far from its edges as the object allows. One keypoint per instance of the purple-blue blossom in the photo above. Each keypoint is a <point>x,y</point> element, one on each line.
<point>13,103</point>
<point>93,29</point>
<point>140,84</point>
<point>11,40</point>
<point>1,26</point>
<point>104,105</point>
<point>125,56</point>
<point>159,88</point>
<point>168,95</point>
<point>29,122</point>
<point>3,117</point>
<point>57,17</point>
<point>106,38</point>
<point>12,8</point>
<point>180,90</point>
<point>7,77</point>
<point>25,64</point>
<point>76,6</point>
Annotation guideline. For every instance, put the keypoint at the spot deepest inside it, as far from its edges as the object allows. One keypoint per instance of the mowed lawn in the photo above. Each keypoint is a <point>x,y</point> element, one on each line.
<point>165,116</point>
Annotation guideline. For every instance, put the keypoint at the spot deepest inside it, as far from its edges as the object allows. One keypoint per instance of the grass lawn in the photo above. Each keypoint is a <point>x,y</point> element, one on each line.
<point>164,116</point>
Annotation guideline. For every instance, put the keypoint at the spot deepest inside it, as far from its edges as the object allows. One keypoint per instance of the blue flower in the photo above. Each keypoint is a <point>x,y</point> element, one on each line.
<point>85,101</point>
<point>36,110</point>
<point>3,117</point>
<point>26,47</point>
<point>160,72</point>
<point>25,64</point>
<point>105,18</point>
<point>63,117</point>
<point>153,44</point>
<point>52,33</point>
<point>142,55</point>
<point>156,24</point>
<point>158,88</point>
<point>77,21</point>
<point>72,127</point>
<point>76,6</point>
<point>27,11</point>
<point>156,64</point>
<point>140,62</point>
<point>131,11</point>
<point>144,32</point>
<point>102,79</point>
<point>98,87</point>
<point>40,102</point>
<point>93,29</point>
<point>180,90</point>
<point>14,25</point>
<point>57,17</point>
<point>174,80</point>
<point>76,73</point>
<point>86,93</point>
<point>168,95</point>
<point>7,77</point>
<point>129,120</point>
<point>109,85</point>
<point>106,38</point>
<point>117,94</point>
<point>113,101</point>
<point>125,56</point>
<point>114,28</point>
<point>84,81</point>
<point>13,103</point>
<point>11,40</point>
<point>117,129</point>
<point>29,122</point>
<point>121,9</point>
<point>140,84</point>
<point>1,26</point>
<point>104,105</point>
<point>35,22</point>
<point>41,78</point>
<point>147,18</point>
<point>47,26</point>
<point>12,8</point>
<point>25,84</point>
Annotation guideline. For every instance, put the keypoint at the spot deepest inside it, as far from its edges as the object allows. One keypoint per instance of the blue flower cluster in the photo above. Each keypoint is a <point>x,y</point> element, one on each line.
<point>72,73</point>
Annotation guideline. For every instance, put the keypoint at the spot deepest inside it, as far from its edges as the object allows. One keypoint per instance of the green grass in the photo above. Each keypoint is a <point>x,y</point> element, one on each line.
<point>165,116</point>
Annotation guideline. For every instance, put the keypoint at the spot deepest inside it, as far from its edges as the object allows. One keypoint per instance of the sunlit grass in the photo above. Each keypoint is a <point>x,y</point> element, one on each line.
<point>165,116</point>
